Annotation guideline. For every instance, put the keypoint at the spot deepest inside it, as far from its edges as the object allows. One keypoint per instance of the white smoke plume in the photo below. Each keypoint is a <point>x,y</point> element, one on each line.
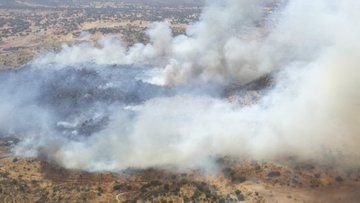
<point>163,104</point>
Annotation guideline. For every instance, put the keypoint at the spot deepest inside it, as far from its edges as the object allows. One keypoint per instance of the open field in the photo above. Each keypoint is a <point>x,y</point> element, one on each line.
<point>257,102</point>
<point>28,28</point>
<point>37,180</point>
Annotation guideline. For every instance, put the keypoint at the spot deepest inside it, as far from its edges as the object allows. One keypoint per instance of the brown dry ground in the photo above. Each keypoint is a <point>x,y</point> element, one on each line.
<point>18,50</point>
<point>27,32</point>
<point>36,180</point>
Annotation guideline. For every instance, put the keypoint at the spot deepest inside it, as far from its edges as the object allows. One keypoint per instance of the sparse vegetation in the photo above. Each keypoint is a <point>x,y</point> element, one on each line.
<point>33,26</point>
<point>30,27</point>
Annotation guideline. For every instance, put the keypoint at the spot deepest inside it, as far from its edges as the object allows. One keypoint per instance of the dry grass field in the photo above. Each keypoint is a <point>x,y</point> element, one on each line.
<point>29,28</point>
<point>36,180</point>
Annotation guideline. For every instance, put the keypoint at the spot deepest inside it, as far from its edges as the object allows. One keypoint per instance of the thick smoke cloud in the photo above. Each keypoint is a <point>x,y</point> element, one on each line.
<point>107,107</point>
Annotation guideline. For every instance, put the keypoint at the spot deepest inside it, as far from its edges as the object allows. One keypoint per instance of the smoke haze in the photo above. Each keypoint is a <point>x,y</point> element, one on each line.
<point>107,107</point>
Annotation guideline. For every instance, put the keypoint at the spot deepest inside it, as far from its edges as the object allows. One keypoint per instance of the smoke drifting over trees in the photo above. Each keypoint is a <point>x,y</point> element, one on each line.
<point>108,107</point>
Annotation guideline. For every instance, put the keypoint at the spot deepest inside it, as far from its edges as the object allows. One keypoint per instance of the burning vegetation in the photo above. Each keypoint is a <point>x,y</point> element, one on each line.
<point>261,107</point>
